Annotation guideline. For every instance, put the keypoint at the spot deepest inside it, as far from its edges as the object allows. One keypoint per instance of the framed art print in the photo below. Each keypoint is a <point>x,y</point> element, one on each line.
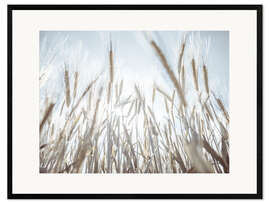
<point>135,101</point>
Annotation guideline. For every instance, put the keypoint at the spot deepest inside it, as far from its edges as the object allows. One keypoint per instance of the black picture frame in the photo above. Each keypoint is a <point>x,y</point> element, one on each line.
<point>257,8</point>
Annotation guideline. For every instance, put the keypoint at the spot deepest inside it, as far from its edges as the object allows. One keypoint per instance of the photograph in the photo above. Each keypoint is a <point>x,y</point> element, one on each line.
<point>109,101</point>
<point>134,101</point>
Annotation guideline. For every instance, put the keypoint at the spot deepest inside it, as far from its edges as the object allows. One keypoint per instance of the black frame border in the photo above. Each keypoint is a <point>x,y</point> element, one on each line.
<point>257,8</point>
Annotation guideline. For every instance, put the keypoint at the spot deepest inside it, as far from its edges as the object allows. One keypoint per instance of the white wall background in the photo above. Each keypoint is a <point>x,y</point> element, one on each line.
<point>3,73</point>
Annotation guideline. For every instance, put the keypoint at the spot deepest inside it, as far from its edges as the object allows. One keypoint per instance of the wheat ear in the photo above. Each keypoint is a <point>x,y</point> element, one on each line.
<point>169,72</point>
<point>205,76</point>
<point>76,75</point>
<point>195,74</point>
<point>67,87</point>
<point>111,73</point>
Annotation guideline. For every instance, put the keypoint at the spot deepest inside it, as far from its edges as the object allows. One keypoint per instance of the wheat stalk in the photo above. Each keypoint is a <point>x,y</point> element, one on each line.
<point>170,72</point>
<point>47,113</point>
<point>76,75</point>
<point>205,75</point>
<point>195,74</point>
<point>67,87</point>
<point>111,73</point>
<point>153,95</point>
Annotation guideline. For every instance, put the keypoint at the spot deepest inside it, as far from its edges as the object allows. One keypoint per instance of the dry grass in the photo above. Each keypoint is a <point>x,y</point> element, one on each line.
<point>195,74</point>
<point>170,72</point>
<point>205,77</point>
<point>104,131</point>
<point>67,85</point>
<point>76,77</point>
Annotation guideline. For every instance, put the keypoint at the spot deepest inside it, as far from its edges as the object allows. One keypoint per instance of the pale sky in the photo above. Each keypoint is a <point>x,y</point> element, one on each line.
<point>135,61</point>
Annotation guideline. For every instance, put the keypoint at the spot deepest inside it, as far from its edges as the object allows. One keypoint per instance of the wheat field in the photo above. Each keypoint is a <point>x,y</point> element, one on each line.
<point>109,128</point>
